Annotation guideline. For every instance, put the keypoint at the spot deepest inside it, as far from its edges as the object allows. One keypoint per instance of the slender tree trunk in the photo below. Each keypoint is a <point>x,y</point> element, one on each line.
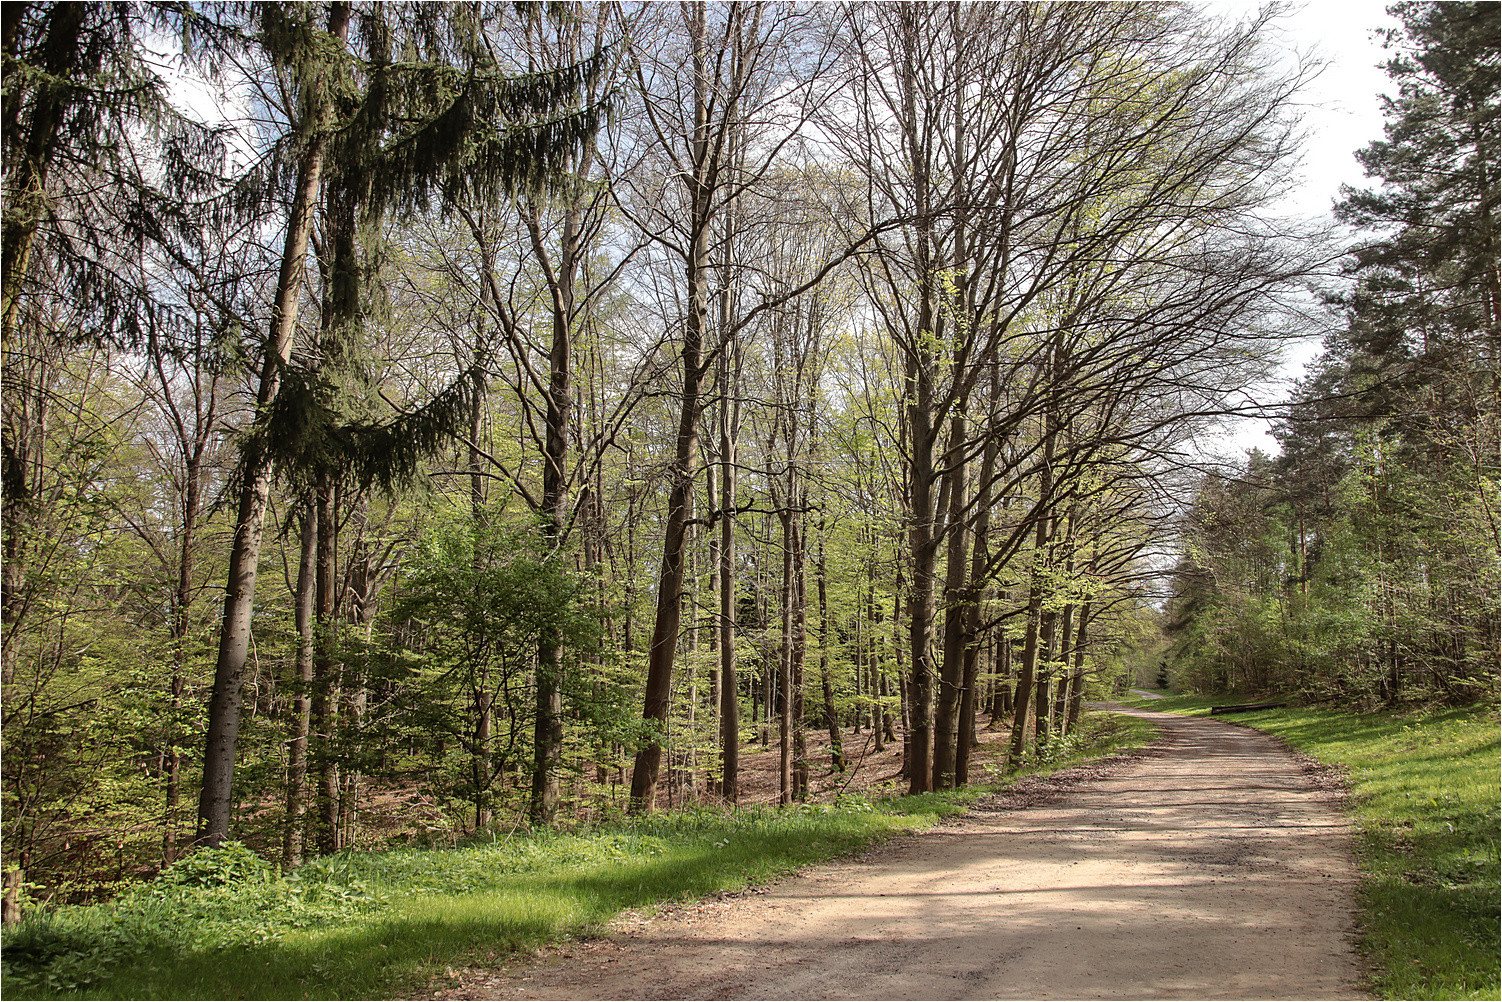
<point>957,588</point>
<point>325,704</point>
<point>712,640</point>
<point>480,764</point>
<point>797,659</point>
<point>548,727</point>
<point>924,548</point>
<point>1066,638</point>
<point>181,624</point>
<point>297,746</point>
<point>1027,671</point>
<point>1066,674</point>
<point>901,676</point>
<point>879,716</point>
<point>245,551</point>
<point>1043,708</point>
<point>956,602</point>
<point>831,720</point>
<point>1029,683</point>
<point>664,649</point>
<point>730,737</point>
<point>1077,689</point>
<point>965,739</point>
<point>785,666</point>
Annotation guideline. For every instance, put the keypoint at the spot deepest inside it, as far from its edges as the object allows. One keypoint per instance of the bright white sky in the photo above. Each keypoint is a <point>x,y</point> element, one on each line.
<point>1341,107</point>
<point>1341,115</point>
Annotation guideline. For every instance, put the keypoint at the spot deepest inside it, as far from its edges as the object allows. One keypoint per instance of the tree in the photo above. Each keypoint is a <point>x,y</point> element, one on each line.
<point>480,597</point>
<point>403,133</point>
<point>1023,249</point>
<point>1384,596</point>
<point>752,82</point>
<point>81,108</point>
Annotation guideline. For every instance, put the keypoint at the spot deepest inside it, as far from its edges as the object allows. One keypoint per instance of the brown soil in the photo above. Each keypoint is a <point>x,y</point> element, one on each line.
<point>1212,867</point>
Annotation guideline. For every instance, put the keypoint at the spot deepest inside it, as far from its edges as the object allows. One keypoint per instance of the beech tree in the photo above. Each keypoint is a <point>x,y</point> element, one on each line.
<point>984,117</point>
<point>719,133</point>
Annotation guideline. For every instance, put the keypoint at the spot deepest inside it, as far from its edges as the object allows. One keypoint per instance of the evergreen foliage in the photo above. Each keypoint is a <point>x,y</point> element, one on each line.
<point>1362,563</point>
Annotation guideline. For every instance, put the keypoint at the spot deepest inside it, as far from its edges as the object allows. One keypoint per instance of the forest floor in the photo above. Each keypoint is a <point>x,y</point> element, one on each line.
<point>1215,866</point>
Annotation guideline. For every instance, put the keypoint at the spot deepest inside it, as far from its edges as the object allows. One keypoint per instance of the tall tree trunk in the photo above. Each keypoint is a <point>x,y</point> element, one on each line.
<point>797,658</point>
<point>785,665</point>
<point>479,743</point>
<point>831,720</point>
<point>324,711</point>
<point>901,676</point>
<point>918,409</point>
<point>1029,683</point>
<point>1044,679</point>
<point>297,745</point>
<point>1077,688</point>
<point>730,737</point>
<point>957,592</point>
<point>879,714</point>
<point>1066,638</point>
<point>924,552</point>
<point>965,738</point>
<point>712,640</point>
<point>1062,688</point>
<point>664,649</point>
<point>951,675</point>
<point>181,624</point>
<point>548,727</point>
<point>245,550</point>
<point>1027,671</point>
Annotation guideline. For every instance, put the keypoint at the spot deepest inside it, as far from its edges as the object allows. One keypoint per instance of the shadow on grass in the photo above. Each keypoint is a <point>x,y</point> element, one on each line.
<point>400,949</point>
<point>465,907</point>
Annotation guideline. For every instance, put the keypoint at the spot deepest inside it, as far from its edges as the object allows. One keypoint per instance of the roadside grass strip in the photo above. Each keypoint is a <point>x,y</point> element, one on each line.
<point>225,924</point>
<point>1425,797</point>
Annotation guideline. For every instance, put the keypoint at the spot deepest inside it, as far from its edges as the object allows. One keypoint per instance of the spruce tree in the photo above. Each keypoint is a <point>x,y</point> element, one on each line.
<point>421,116</point>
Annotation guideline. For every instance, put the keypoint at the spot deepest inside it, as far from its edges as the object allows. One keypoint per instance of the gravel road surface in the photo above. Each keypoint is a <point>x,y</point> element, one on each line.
<point>1214,866</point>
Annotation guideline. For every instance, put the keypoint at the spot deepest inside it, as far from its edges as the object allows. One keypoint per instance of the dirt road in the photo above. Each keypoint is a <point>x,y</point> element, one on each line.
<point>1213,867</point>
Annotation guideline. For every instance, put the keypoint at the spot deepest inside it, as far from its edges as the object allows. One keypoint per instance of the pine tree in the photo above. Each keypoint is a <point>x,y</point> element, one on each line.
<point>1426,307</point>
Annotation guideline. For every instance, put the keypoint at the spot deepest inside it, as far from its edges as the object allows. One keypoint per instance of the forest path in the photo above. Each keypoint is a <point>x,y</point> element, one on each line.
<point>1212,867</point>
<point>1145,693</point>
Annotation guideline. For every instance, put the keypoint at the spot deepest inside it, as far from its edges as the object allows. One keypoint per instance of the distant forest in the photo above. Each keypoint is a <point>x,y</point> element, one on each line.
<point>508,413</point>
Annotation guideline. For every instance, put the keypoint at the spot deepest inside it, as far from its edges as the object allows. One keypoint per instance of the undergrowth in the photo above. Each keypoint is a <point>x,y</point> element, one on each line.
<point>225,924</point>
<point>1425,794</point>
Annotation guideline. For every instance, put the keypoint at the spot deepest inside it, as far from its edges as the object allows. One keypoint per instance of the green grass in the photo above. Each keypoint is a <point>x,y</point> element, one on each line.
<point>1425,795</point>
<point>373,925</point>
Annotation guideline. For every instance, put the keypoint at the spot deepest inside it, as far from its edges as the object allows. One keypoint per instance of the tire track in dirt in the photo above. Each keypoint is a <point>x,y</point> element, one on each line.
<point>1211,867</point>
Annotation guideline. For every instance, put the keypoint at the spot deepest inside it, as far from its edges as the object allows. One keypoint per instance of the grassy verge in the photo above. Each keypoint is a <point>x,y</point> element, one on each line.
<point>224,924</point>
<point>1424,788</point>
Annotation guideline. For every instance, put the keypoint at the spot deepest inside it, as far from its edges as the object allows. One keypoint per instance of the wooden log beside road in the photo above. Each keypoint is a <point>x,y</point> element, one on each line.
<point>1243,708</point>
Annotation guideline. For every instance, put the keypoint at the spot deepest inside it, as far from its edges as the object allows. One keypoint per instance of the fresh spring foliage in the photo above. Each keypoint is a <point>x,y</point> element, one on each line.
<point>1362,564</point>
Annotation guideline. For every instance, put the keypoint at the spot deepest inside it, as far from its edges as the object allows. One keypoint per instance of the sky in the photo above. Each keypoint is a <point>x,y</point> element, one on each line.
<point>1341,109</point>
<point>1342,114</point>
